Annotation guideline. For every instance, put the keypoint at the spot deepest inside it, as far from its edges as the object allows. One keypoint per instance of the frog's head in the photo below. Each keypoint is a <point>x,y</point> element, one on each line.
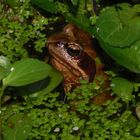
<point>69,53</point>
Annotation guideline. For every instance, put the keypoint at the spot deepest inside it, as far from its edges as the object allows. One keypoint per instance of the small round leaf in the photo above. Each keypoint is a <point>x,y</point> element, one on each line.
<point>122,87</point>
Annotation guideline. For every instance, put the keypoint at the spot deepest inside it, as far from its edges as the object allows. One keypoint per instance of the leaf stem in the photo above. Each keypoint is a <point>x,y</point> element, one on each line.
<point>95,7</point>
<point>1,94</point>
<point>2,88</point>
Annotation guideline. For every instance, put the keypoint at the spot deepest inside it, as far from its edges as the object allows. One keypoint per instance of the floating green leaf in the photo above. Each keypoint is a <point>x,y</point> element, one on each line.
<point>27,71</point>
<point>122,87</point>
<point>119,25</point>
<point>17,127</point>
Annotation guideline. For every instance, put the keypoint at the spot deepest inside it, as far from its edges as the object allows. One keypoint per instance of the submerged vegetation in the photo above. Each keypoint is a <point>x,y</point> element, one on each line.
<point>31,106</point>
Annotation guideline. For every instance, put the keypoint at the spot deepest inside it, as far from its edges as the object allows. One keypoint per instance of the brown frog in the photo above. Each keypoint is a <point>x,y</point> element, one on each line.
<point>72,53</point>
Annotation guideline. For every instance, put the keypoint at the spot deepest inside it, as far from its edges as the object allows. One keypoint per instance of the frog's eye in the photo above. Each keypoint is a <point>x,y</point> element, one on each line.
<point>73,52</point>
<point>62,44</point>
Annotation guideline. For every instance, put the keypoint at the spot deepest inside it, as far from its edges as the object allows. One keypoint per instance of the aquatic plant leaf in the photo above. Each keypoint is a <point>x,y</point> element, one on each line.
<point>122,88</point>
<point>127,57</point>
<point>46,5</point>
<point>27,71</point>
<point>119,25</point>
<point>17,127</point>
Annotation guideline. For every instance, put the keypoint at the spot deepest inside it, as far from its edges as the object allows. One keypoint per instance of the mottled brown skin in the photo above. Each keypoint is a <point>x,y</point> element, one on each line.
<point>72,53</point>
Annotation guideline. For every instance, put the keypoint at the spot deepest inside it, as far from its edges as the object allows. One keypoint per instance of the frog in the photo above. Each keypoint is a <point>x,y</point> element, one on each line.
<point>73,54</point>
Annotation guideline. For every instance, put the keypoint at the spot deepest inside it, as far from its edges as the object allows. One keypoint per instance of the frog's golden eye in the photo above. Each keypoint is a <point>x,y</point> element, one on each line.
<point>73,52</point>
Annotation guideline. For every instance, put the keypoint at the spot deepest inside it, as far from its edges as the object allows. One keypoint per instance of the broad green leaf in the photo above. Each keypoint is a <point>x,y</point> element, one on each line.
<point>127,57</point>
<point>55,79</point>
<point>122,88</point>
<point>42,87</point>
<point>17,127</point>
<point>119,25</point>
<point>46,5</point>
<point>5,66</point>
<point>27,71</point>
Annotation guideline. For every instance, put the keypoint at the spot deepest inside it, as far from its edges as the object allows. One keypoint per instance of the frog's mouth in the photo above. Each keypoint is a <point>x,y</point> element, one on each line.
<point>63,66</point>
